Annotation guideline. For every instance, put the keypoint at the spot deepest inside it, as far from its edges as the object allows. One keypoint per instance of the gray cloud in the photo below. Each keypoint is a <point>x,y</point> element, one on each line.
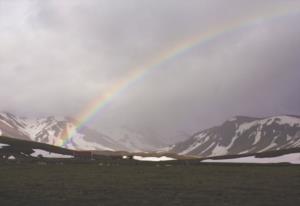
<point>56,56</point>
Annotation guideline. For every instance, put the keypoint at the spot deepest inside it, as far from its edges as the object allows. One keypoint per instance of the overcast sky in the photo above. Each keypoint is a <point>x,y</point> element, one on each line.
<point>57,55</point>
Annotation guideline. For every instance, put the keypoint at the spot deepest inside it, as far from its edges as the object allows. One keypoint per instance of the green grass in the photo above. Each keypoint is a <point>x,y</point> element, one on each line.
<point>149,184</point>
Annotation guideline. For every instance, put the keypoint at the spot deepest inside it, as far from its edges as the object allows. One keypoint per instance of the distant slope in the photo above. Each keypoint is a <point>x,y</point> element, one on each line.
<point>133,140</point>
<point>50,130</point>
<point>12,126</point>
<point>242,135</point>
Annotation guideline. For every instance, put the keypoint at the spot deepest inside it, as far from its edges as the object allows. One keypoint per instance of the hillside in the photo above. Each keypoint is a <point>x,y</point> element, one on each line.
<point>243,135</point>
<point>51,129</point>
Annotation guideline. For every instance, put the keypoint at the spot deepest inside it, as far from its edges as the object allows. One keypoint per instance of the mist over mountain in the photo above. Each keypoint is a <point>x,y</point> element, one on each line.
<point>51,129</point>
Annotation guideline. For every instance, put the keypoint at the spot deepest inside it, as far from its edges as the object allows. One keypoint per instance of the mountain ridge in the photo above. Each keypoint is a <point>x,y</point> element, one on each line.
<point>51,129</point>
<point>243,134</point>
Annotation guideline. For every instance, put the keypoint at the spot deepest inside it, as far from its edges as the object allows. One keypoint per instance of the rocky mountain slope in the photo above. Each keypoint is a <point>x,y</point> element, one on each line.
<point>242,135</point>
<point>50,130</point>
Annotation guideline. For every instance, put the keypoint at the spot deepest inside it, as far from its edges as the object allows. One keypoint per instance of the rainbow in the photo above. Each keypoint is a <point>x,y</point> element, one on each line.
<point>139,73</point>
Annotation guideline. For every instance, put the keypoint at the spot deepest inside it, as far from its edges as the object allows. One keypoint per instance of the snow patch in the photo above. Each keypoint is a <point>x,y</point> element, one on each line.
<point>293,158</point>
<point>209,147</point>
<point>3,145</point>
<point>191,148</point>
<point>219,150</point>
<point>257,137</point>
<point>154,159</point>
<point>4,122</point>
<point>43,153</point>
<point>11,157</point>
<point>201,139</point>
<point>288,120</point>
<point>271,145</point>
<point>246,126</point>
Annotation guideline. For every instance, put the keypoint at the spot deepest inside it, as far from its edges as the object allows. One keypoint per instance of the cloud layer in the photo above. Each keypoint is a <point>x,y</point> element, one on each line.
<point>56,56</point>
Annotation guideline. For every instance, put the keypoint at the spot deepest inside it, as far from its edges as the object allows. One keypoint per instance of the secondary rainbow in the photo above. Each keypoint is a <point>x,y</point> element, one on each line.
<point>139,73</point>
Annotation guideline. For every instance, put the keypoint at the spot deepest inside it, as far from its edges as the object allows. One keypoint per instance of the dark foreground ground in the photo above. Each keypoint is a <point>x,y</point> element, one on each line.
<point>75,184</point>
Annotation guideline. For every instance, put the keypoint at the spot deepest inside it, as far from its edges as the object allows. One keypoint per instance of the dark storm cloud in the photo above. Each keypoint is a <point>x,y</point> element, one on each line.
<point>57,55</point>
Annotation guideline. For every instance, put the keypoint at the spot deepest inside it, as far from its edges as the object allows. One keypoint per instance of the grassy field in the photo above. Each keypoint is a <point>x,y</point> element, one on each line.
<point>152,184</point>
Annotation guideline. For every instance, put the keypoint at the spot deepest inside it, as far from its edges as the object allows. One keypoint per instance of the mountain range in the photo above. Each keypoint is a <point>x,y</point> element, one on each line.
<point>240,136</point>
<point>243,135</point>
<point>51,129</point>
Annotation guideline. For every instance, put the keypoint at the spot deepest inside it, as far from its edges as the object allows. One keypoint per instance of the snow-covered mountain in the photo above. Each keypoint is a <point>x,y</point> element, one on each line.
<point>242,135</point>
<point>50,130</point>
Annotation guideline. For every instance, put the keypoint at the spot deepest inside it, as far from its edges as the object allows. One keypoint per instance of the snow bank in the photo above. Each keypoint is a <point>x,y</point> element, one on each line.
<point>11,157</point>
<point>154,159</point>
<point>293,158</point>
<point>3,145</point>
<point>43,153</point>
